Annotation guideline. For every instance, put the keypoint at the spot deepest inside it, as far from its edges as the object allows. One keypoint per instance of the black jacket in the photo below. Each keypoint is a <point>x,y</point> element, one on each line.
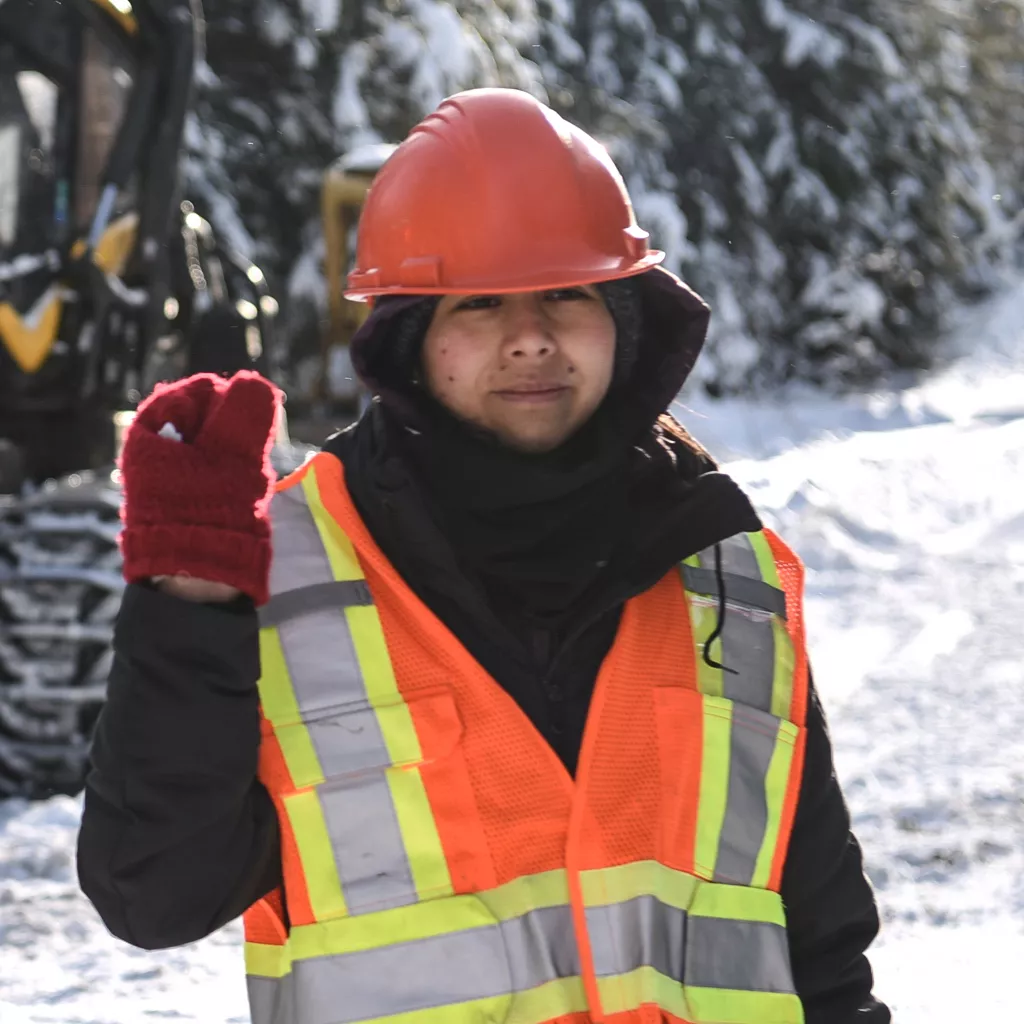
<point>178,837</point>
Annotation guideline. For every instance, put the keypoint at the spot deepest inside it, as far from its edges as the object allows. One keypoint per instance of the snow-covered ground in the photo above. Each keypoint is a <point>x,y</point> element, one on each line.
<point>908,508</point>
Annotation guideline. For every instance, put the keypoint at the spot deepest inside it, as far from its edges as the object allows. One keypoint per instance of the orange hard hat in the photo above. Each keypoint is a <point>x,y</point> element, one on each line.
<point>495,192</point>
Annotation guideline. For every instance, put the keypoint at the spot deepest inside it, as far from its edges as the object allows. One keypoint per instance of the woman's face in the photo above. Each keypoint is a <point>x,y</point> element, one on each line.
<point>530,367</point>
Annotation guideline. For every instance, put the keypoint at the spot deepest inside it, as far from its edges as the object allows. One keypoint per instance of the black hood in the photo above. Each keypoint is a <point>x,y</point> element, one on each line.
<point>675,324</point>
<point>536,533</point>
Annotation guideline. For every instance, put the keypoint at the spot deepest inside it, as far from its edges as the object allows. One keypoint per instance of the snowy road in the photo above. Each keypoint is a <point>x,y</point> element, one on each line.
<point>908,511</point>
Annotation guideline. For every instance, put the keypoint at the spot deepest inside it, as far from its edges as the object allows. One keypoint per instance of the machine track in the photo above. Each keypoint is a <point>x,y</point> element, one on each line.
<point>60,590</point>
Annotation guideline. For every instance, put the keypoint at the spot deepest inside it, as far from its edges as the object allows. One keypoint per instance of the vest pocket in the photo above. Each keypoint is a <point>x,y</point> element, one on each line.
<point>736,963</point>
<point>725,772</point>
<point>358,738</point>
<point>364,830</point>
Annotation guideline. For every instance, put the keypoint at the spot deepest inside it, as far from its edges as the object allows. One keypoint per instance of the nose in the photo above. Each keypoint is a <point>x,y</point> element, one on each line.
<point>529,335</point>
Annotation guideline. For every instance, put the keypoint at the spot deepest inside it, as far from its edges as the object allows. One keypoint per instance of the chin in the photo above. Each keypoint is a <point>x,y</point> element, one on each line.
<point>533,444</point>
<point>532,447</point>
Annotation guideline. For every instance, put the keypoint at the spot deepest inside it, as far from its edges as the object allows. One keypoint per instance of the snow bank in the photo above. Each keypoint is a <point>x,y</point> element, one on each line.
<point>953,975</point>
<point>59,965</point>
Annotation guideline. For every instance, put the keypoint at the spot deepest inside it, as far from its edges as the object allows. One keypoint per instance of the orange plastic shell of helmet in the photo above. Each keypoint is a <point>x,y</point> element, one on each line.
<point>495,192</point>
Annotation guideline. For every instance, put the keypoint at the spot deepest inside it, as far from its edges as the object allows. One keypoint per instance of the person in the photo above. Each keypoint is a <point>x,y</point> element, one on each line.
<point>498,708</point>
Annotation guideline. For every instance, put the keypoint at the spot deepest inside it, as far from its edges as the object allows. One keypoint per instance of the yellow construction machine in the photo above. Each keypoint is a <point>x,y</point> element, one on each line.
<point>345,187</point>
<point>109,281</point>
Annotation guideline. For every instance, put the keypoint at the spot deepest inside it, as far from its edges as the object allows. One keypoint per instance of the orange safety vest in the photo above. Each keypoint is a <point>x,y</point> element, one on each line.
<point>440,864</point>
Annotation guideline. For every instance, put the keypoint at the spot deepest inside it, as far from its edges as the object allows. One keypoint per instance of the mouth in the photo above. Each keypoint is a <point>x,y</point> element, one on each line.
<point>533,393</point>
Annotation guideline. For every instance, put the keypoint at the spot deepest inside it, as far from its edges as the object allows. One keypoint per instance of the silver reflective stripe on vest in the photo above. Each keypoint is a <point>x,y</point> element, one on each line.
<point>750,956</point>
<point>754,593</point>
<point>290,604</point>
<point>271,1000</point>
<point>342,725</point>
<point>445,970</point>
<point>738,557</point>
<point>643,932</point>
<point>747,639</point>
<point>703,952</point>
<point>367,842</point>
<point>541,947</point>
<point>752,743</point>
<point>318,646</point>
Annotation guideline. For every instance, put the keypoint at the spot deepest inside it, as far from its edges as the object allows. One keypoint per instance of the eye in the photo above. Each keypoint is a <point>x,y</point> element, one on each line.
<point>480,302</point>
<point>566,294</point>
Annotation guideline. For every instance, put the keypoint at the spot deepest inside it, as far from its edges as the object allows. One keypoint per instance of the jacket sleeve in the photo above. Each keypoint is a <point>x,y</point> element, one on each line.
<point>177,835</point>
<point>830,907</point>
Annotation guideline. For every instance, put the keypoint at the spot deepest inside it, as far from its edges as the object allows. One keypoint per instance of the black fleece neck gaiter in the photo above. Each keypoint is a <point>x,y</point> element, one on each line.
<point>533,529</point>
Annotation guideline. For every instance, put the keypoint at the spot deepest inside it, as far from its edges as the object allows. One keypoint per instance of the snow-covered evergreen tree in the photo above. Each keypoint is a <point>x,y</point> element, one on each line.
<point>822,195</point>
<point>289,85</point>
<point>907,193</point>
<point>992,31</point>
<point>261,132</point>
<point>813,167</point>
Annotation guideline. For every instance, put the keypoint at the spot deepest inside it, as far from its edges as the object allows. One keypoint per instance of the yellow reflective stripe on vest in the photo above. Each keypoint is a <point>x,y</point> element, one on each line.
<point>313,839</point>
<point>660,936</point>
<point>785,670</point>
<point>739,1007</point>
<point>714,784</point>
<point>646,986</point>
<point>362,822</point>
<point>280,708</point>
<point>703,619</point>
<point>776,781</point>
<point>747,744</point>
<point>627,882</point>
<point>509,951</point>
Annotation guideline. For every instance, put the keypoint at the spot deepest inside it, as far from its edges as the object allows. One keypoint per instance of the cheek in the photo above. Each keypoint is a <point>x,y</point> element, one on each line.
<point>450,365</point>
<point>448,372</point>
<point>592,354</point>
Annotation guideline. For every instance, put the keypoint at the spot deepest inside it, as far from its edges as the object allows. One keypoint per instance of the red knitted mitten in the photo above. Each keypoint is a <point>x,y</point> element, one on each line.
<point>197,482</point>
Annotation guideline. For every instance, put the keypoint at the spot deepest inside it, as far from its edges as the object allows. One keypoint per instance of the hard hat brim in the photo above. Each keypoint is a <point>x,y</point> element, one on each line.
<point>540,280</point>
